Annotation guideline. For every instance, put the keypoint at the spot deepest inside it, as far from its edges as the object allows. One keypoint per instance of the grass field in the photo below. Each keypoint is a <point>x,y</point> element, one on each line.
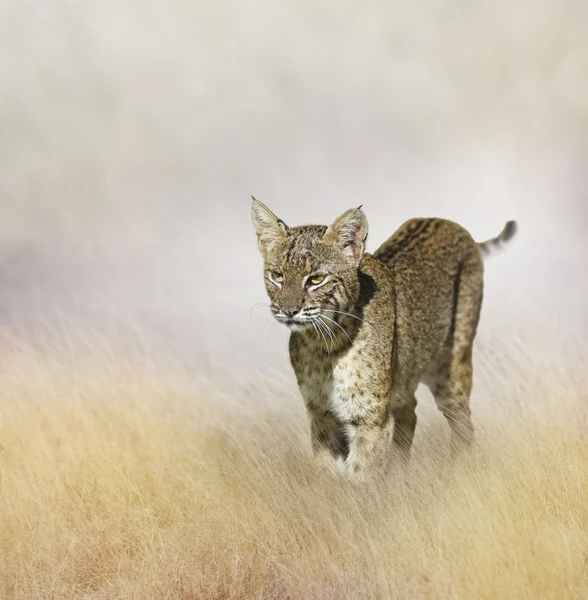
<point>153,443</point>
<point>123,480</point>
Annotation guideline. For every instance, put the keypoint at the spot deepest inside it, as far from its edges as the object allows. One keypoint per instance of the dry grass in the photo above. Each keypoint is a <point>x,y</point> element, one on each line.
<point>131,135</point>
<point>141,481</point>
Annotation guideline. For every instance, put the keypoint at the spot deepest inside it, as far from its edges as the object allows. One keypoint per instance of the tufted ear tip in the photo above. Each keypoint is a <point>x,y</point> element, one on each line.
<point>256,206</point>
<point>350,231</point>
<point>268,227</point>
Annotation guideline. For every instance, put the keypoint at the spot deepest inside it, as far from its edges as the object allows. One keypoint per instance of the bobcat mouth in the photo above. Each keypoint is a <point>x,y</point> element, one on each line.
<point>296,322</point>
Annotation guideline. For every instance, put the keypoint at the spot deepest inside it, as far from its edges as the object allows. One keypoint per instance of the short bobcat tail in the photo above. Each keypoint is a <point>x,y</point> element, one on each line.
<point>495,245</point>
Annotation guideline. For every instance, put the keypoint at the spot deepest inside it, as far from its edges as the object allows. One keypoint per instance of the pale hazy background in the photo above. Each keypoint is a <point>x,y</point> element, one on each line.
<point>132,135</point>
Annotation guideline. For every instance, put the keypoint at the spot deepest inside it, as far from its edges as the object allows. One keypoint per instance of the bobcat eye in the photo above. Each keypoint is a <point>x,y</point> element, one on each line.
<point>277,277</point>
<point>316,279</point>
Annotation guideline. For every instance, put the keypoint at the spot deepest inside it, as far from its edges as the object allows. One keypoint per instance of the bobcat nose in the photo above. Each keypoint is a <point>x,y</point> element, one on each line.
<point>290,311</point>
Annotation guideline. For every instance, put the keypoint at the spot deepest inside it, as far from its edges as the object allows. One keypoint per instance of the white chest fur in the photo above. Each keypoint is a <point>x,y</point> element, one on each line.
<point>341,388</point>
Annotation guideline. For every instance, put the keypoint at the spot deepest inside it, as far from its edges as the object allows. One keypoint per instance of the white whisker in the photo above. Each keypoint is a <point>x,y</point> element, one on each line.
<point>255,307</point>
<point>339,326</point>
<point>326,328</point>
<point>320,330</point>
<point>272,321</point>
<point>342,312</point>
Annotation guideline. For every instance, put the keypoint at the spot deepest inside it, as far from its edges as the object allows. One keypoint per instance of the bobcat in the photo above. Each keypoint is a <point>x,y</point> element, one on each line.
<point>367,328</point>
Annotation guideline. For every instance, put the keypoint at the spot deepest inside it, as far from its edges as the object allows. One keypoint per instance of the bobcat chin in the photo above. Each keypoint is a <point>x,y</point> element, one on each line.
<point>366,329</point>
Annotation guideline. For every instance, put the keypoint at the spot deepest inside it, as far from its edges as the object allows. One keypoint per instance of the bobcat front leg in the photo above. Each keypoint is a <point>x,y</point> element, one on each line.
<point>329,445</point>
<point>368,436</point>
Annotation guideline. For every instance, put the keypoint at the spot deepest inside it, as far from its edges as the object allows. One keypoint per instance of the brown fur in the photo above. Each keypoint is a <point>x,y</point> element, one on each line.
<point>375,327</point>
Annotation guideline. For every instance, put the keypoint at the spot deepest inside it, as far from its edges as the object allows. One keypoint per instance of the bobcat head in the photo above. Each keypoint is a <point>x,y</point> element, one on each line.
<point>311,271</point>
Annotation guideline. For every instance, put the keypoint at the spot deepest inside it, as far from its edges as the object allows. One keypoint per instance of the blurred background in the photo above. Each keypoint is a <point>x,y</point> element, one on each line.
<point>133,134</point>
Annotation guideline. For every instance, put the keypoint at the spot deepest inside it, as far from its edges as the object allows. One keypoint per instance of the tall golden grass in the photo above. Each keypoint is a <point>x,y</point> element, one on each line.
<point>143,480</point>
<point>131,135</point>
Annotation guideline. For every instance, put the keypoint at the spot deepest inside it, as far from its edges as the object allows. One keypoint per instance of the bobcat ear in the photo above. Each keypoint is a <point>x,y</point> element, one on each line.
<point>350,232</point>
<point>268,227</point>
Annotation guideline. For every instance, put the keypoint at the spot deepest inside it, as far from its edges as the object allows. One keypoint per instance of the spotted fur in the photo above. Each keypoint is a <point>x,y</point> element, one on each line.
<point>374,327</point>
